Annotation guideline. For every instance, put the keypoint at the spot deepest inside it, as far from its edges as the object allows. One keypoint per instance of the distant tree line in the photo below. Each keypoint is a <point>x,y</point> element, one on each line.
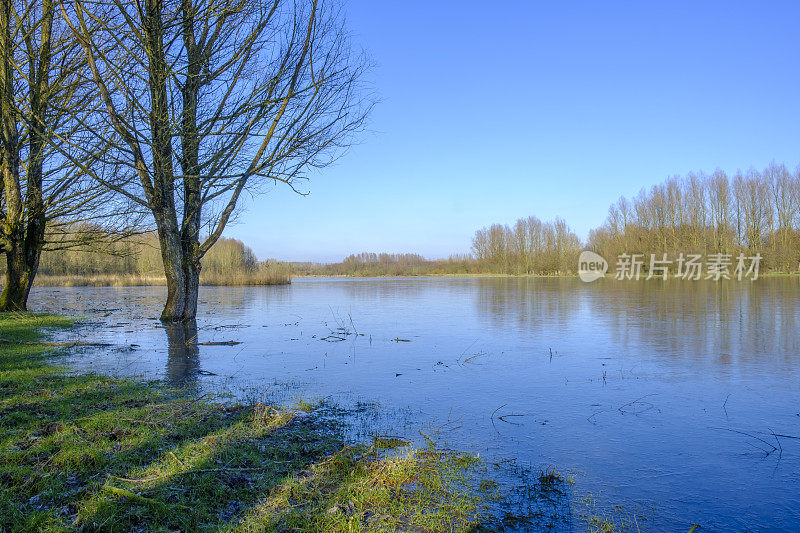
<point>385,264</point>
<point>137,260</point>
<point>751,212</point>
<point>529,247</point>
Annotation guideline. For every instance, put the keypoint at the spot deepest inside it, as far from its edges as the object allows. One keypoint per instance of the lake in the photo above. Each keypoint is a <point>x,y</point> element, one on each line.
<point>678,401</point>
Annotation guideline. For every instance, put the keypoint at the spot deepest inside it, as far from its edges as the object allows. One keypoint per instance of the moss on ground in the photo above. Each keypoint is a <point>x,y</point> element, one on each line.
<point>88,452</point>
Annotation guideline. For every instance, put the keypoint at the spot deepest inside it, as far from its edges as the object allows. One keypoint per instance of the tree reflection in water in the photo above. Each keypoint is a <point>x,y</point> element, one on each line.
<point>183,362</point>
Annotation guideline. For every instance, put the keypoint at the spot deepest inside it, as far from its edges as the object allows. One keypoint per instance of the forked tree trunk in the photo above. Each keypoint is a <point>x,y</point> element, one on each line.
<point>182,272</point>
<point>189,161</point>
<point>162,202</point>
<point>24,222</point>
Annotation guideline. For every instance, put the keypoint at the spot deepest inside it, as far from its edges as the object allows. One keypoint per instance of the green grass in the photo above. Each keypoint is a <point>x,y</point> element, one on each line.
<point>87,452</point>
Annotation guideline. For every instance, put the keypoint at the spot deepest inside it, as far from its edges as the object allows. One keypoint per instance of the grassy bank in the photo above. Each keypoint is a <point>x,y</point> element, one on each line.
<point>95,453</point>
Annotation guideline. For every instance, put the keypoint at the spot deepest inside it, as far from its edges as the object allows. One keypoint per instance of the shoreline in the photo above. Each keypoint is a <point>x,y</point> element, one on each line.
<point>44,280</point>
<point>89,451</point>
<point>150,281</point>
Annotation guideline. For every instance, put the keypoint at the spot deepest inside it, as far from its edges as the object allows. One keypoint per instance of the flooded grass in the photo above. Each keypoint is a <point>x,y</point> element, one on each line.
<point>367,488</point>
<point>89,452</point>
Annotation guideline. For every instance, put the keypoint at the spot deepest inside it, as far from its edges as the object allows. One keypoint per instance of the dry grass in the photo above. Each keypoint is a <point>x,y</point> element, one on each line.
<point>98,280</point>
<point>136,261</point>
<point>257,277</point>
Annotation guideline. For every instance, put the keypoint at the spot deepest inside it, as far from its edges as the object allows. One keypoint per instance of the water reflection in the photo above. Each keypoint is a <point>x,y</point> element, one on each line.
<point>183,361</point>
<point>715,361</point>
<point>701,322</point>
<point>528,303</point>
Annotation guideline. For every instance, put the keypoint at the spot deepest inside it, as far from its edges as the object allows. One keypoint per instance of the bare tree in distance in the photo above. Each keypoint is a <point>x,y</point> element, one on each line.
<point>45,200</point>
<point>751,212</point>
<point>529,247</point>
<point>211,99</point>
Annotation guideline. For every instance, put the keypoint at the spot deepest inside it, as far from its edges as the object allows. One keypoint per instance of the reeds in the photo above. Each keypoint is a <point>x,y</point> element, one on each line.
<point>98,280</point>
<point>264,274</point>
<point>259,276</point>
<point>136,261</point>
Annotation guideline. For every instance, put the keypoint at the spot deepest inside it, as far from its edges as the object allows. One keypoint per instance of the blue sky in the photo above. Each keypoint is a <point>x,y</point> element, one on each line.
<point>494,111</point>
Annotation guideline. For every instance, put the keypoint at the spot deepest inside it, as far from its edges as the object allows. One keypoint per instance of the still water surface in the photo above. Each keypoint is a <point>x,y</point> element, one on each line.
<point>679,401</point>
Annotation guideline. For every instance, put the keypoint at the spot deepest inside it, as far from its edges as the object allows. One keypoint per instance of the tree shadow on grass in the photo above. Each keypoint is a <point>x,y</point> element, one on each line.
<point>208,478</point>
<point>189,465</point>
<point>168,462</point>
<point>100,454</point>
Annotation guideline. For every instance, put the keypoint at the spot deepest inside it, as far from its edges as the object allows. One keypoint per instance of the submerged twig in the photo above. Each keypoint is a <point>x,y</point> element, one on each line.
<point>468,359</point>
<point>503,418</point>
<point>633,403</point>
<point>495,411</point>
<point>774,448</point>
<point>430,440</point>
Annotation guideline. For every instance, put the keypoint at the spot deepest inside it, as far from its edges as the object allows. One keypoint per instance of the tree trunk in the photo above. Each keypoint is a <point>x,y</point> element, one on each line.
<point>25,222</point>
<point>182,271</point>
<point>172,257</point>
<point>163,200</point>
<point>191,274</point>
<point>189,161</point>
<point>19,279</point>
<point>12,236</point>
<point>22,262</point>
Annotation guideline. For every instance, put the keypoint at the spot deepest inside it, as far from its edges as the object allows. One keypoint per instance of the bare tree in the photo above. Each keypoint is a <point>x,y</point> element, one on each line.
<point>719,200</point>
<point>43,102</point>
<point>783,191</point>
<point>753,195</point>
<point>211,99</point>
